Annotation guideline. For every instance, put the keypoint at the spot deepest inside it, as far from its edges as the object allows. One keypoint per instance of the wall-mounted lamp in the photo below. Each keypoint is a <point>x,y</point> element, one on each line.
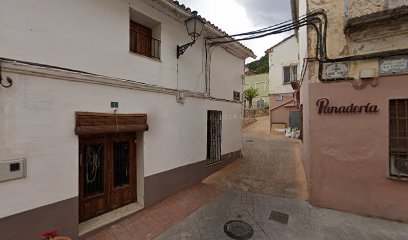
<point>195,26</point>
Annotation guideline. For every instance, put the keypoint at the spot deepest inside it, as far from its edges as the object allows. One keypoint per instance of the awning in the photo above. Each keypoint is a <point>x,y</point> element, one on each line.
<point>103,123</point>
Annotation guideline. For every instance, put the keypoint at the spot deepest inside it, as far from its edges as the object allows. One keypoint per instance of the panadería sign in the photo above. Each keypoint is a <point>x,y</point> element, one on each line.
<point>324,107</point>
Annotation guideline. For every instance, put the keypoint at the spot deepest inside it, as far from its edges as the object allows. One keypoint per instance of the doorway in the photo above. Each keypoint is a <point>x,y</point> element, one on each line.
<point>107,173</point>
<point>295,119</point>
<point>214,127</point>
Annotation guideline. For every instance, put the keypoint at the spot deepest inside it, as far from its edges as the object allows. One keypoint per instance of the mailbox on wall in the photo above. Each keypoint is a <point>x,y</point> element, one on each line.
<point>12,169</point>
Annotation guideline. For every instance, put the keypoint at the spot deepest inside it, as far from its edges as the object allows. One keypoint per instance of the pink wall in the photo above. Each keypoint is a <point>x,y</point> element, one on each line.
<point>273,103</point>
<point>305,148</point>
<point>279,113</point>
<point>348,153</point>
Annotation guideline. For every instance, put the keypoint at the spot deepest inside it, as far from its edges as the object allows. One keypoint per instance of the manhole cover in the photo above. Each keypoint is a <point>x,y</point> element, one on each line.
<point>279,217</point>
<point>249,141</point>
<point>238,229</point>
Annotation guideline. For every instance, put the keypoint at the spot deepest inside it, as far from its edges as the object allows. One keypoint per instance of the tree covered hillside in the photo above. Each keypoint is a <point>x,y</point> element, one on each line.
<point>259,66</point>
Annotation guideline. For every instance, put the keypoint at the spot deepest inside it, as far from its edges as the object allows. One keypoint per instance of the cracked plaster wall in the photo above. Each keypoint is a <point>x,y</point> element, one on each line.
<point>372,39</point>
<point>358,8</point>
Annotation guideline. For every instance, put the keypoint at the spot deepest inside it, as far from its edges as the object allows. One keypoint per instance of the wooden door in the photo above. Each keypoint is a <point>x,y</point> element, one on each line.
<point>107,173</point>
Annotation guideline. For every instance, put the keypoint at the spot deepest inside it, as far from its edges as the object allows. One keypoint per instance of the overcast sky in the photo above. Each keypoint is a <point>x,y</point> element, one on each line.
<point>237,16</point>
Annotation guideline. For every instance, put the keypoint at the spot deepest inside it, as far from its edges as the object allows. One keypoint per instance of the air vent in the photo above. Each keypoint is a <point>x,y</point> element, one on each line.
<point>399,166</point>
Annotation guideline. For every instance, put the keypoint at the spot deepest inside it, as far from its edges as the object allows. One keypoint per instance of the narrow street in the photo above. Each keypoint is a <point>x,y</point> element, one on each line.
<point>270,165</point>
<point>266,189</point>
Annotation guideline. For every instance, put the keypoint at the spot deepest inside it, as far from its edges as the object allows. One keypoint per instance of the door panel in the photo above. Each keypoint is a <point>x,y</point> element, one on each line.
<point>121,161</point>
<point>93,172</point>
<point>107,174</point>
<point>124,170</point>
<point>93,193</point>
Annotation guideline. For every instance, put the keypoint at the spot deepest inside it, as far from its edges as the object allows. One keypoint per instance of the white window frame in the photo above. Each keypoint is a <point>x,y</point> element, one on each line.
<point>293,76</point>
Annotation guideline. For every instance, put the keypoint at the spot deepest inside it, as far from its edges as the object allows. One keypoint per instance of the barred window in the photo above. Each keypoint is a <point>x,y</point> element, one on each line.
<point>398,114</point>
<point>214,126</point>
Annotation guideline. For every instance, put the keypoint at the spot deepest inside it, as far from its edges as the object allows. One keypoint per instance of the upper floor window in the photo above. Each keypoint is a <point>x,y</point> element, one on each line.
<point>289,74</point>
<point>261,86</point>
<point>140,39</point>
<point>144,35</point>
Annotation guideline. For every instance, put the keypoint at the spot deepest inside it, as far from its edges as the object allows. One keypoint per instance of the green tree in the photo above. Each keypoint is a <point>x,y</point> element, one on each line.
<point>250,94</point>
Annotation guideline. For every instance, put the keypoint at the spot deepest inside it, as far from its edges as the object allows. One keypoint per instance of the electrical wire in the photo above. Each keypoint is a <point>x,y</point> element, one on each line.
<point>319,21</point>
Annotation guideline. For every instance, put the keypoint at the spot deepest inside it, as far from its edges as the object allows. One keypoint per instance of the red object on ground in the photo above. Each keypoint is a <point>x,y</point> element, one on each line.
<point>49,235</point>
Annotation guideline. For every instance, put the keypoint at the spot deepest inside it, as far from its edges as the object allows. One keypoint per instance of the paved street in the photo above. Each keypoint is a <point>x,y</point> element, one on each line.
<point>271,165</point>
<point>266,189</point>
<point>305,222</point>
<point>269,178</point>
<point>153,221</point>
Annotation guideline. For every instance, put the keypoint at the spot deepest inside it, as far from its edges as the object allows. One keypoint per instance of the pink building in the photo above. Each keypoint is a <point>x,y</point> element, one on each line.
<point>354,96</point>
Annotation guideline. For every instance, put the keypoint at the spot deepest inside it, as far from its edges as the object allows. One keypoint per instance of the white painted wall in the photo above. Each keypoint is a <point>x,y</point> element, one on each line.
<point>37,114</point>
<point>225,74</point>
<point>282,55</point>
<point>37,117</point>
<point>93,36</point>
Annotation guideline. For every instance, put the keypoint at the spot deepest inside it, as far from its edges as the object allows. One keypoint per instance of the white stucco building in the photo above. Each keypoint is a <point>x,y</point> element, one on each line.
<point>101,113</point>
<point>283,69</point>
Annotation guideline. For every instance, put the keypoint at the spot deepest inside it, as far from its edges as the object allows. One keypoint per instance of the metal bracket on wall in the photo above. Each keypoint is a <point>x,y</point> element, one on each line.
<point>183,48</point>
<point>8,79</point>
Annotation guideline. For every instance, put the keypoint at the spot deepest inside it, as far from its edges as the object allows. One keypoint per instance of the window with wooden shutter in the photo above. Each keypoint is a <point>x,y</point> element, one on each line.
<point>142,42</point>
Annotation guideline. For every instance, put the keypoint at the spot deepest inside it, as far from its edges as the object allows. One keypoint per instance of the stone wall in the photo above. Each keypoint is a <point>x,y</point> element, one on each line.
<point>358,8</point>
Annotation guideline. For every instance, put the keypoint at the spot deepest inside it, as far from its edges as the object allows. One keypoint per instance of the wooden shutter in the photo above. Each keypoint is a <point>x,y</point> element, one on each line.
<point>102,123</point>
<point>140,39</point>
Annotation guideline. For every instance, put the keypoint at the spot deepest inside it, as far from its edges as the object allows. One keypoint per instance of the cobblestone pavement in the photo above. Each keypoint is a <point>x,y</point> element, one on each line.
<point>153,221</point>
<point>305,222</point>
<point>271,165</point>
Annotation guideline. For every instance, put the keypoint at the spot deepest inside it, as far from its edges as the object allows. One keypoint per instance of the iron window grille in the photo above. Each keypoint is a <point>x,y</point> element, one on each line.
<point>398,138</point>
<point>214,127</point>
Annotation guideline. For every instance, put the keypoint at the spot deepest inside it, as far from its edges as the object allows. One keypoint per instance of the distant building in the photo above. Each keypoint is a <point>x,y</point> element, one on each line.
<point>283,69</point>
<point>260,82</point>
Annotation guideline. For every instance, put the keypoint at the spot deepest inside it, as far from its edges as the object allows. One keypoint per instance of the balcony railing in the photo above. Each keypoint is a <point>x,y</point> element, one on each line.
<point>144,45</point>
